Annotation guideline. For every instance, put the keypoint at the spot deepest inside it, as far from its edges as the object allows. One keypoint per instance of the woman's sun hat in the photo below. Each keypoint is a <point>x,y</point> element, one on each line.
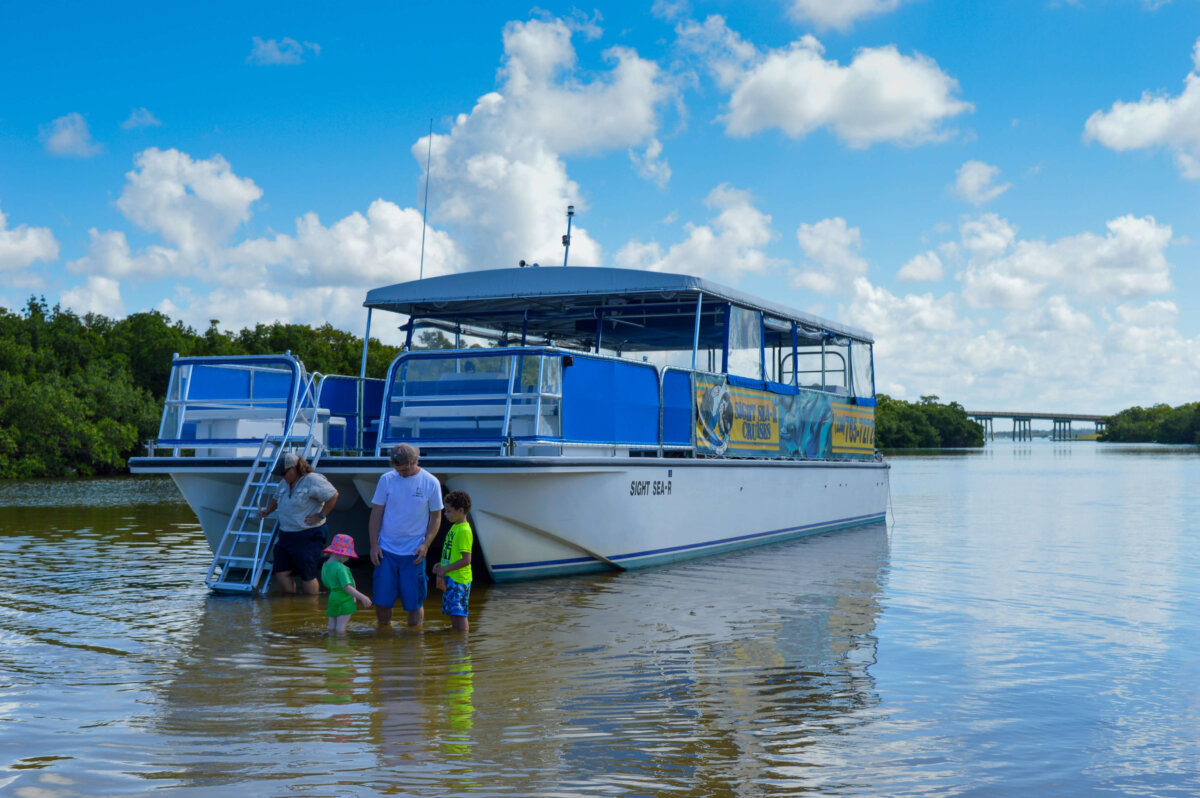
<point>341,544</point>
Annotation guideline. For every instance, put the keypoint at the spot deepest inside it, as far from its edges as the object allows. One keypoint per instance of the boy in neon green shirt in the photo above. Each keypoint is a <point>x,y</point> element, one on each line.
<point>454,571</point>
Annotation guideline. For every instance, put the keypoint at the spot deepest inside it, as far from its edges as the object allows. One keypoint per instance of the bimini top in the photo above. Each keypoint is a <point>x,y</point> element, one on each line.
<point>634,309</point>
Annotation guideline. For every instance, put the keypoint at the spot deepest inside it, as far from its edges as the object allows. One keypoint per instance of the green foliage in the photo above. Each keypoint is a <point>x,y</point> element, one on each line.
<point>1157,424</point>
<point>923,425</point>
<point>78,394</point>
<point>432,339</point>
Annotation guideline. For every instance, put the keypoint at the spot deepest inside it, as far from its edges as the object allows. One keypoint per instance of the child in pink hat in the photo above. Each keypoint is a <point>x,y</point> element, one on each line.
<point>337,577</point>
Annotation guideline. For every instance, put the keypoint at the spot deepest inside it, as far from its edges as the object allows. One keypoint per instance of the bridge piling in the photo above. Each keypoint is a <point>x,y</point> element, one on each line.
<point>1061,423</point>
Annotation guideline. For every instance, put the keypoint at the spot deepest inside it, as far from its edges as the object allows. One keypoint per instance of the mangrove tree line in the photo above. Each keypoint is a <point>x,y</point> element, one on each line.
<point>1157,424</point>
<point>81,394</point>
<point>926,424</point>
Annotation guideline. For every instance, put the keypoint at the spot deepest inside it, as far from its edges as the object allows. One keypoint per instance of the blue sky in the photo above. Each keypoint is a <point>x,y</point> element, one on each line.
<point>1003,193</point>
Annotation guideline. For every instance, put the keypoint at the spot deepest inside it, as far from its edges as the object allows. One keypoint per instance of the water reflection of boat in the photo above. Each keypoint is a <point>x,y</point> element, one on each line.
<point>706,690</point>
<point>621,418</point>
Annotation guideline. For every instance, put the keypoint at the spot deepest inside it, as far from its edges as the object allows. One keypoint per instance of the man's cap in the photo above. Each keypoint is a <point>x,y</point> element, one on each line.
<point>404,454</point>
<point>288,460</point>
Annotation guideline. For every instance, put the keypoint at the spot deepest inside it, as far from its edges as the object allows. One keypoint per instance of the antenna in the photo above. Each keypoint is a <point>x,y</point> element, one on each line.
<point>425,212</point>
<point>567,237</point>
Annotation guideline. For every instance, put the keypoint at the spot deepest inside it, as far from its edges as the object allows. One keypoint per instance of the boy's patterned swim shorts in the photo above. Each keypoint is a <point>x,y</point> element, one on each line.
<point>454,600</point>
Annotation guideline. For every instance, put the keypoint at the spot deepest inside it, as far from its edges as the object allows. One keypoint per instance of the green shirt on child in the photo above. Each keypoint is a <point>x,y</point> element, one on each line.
<point>335,576</point>
<point>459,539</point>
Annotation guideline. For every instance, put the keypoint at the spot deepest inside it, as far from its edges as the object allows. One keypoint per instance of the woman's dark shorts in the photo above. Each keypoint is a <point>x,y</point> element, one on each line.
<point>299,553</point>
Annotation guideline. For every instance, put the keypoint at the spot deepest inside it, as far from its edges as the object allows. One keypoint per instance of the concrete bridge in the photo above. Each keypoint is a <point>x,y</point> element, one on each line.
<point>1023,423</point>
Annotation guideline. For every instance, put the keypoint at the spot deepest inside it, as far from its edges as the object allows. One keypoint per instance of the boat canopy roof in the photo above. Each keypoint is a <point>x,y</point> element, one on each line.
<point>636,310</point>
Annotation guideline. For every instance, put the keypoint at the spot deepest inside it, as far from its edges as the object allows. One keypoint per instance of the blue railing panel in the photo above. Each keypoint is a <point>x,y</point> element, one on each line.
<point>608,401</point>
<point>216,383</point>
<point>678,416</point>
<point>339,395</point>
<point>264,387</point>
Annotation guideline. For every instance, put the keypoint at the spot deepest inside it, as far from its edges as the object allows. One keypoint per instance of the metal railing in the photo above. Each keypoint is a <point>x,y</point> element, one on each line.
<point>220,403</point>
<point>473,399</point>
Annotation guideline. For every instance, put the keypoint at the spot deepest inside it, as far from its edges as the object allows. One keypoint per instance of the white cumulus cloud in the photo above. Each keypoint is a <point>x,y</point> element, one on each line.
<point>651,165</point>
<point>109,254</point>
<point>195,205</point>
<point>238,308</point>
<point>973,182</point>
<point>500,183</point>
<point>141,117</point>
<point>1129,262</point>
<point>926,267</point>
<point>728,247</point>
<point>1056,316</point>
<point>284,52</point>
<point>987,236</point>
<point>1156,313</point>
<point>22,245</point>
<point>1036,323</point>
<point>840,14</point>
<point>379,247</point>
<point>68,136</point>
<point>830,248</point>
<point>546,99</point>
<point>101,295</point>
<point>882,95</point>
<point>1156,120</point>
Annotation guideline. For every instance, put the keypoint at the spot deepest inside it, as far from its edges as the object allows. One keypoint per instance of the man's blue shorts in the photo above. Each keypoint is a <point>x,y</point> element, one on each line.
<point>398,576</point>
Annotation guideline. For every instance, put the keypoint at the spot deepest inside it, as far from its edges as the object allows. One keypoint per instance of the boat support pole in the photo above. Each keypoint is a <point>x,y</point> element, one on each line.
<point>616,566</point>
<point>762,346</point>
<point>823,337</point>
<point>362,378</point>
<point>728,333</point>
<point>696,334</point>
<point>795,356</point>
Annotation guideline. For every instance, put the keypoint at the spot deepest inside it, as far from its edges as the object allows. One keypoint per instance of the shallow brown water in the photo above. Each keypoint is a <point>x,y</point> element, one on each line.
<point>122,675</point>
<point>1028,627</point>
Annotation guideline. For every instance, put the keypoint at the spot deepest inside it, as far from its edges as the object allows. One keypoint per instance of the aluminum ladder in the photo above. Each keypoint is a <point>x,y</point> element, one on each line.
<point>242,562</point>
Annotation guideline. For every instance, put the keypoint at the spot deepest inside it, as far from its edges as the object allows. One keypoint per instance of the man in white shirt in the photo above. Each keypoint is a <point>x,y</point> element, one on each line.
<point>406,512</point>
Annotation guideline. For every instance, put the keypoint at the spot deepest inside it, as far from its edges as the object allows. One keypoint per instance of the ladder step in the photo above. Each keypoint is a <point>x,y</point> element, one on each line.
<point>232,587</point>
<point>227,561</point>
<point>251,533</point>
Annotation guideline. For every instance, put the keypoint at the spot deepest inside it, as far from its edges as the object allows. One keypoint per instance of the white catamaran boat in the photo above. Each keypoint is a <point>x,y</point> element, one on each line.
<point>602,419</point>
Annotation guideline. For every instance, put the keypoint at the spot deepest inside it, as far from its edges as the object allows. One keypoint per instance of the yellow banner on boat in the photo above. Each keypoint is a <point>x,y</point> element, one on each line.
<point>731,419</point>
<point>853,429</point>
<point>755,420</point>
<point>737,421</point>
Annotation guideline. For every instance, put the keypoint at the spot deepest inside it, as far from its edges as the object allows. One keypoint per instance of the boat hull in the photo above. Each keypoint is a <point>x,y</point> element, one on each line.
<point>540,517</point>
